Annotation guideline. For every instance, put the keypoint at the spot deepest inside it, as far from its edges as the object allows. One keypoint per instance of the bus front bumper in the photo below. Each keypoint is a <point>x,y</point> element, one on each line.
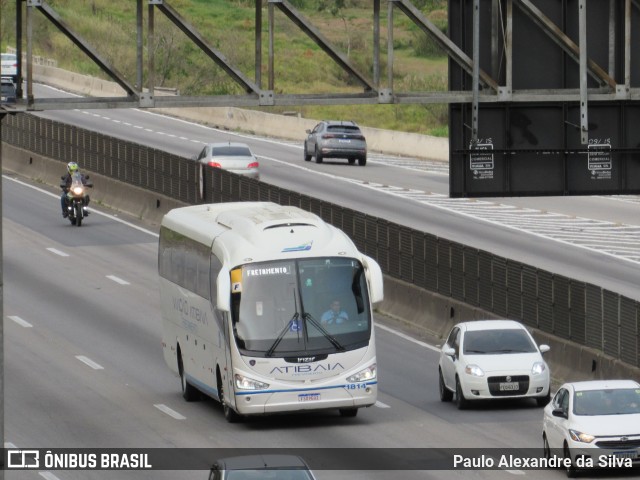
<point>283,400</point>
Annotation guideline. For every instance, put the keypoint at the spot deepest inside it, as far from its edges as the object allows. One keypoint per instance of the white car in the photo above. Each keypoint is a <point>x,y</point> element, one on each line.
<point>232,156</point>
<point>491,359</point>
<point>595,424</point>
<point>9,66</point>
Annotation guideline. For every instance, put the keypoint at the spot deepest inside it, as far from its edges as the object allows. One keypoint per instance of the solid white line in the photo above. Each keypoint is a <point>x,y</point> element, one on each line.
<point>118,280</point>
<point>58,252</point>
<point>407,337</point>
<point>172,413</point>
<point>21,322</point>
<point>89,362</point>
<point>379,404</point>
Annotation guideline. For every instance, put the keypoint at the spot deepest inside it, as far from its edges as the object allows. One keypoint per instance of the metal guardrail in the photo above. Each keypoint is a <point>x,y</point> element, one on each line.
<point>570,309</point>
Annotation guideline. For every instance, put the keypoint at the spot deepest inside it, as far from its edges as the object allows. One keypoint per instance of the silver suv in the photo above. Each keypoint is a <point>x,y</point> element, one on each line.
<point>336,139</point>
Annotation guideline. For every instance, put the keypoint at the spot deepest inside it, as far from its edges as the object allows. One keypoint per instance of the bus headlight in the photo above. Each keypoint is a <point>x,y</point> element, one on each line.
<point>365,375</point>
<point>246,383</point>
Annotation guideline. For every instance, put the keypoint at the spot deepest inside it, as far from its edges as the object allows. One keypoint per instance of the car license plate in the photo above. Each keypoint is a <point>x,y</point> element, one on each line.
<point>343,140</point>
<point>508,386</point>
<point>308,397</point>
<point>626,454</point>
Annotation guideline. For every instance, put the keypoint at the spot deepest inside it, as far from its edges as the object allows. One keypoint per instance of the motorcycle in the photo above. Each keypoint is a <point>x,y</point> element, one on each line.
<point>77,198</point>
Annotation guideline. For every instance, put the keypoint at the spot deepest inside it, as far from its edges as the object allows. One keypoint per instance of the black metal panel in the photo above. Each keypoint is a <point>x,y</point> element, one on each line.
<point>545,301</point>
<point>594,316</point>
<point>431,262</point>
<point>471,270</point>
<point>499,282</point>
<point>444,267</point>
<point>611,323</point>
<point>391,239</point>
<point>457,271</point>
<point>534,147</point>
<point>629,335</point>
<point>561,318</point>
<point>577,311</point>
<point>484,280</point>
<point>537,61</point>
<point>514,290</point>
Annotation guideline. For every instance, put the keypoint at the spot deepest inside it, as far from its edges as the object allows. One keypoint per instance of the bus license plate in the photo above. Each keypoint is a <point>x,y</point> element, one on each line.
<point>308,397</point>
<point>508,386</point>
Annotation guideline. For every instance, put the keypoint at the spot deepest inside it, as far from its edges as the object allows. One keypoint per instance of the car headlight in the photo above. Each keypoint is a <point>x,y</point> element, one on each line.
<point>538,368</point>
<point>577,436</point>
<point>474,370</point>
<point>365,375</point>
<point>246,383</point>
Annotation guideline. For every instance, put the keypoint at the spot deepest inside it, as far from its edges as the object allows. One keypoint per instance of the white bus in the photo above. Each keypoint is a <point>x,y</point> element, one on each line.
<point>245,292</point>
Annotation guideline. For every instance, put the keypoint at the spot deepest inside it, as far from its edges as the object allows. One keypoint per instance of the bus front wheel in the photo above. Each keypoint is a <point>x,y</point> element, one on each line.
<point>229,413</point>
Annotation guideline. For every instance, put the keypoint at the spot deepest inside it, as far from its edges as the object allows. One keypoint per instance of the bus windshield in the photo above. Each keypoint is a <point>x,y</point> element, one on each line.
<point>292,307</point>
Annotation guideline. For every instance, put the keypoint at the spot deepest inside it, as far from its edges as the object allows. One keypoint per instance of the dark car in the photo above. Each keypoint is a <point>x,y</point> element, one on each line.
<point>266,467</point>
<point>336,139</point>
<point>8,92</point>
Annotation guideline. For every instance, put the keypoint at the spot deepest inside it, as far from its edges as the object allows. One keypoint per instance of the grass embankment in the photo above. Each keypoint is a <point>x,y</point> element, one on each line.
<point>228,26</point>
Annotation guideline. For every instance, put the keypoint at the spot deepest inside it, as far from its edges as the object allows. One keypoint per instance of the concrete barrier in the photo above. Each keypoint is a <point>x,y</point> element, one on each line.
<point>251,121</point>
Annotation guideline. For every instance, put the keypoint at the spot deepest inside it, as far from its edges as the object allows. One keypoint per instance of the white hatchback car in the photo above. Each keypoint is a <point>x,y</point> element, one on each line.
<point>592,422</point>
<point>490,359</point>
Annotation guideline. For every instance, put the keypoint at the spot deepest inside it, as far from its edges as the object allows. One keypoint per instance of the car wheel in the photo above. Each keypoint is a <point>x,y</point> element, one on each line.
<point>446,395</point>
<point>461,402</point>
<point>545,447</point>
<point>362,161</point>
<point>318,156</point>
<point>570,469</point>
<point>352,161</point>
<point>348,412</point>
<point>544,401</point>
<point>307,157</point>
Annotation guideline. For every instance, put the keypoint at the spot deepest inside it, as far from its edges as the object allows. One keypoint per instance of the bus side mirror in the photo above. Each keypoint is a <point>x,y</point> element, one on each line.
<point>224,291</point>
<point>374,279</point>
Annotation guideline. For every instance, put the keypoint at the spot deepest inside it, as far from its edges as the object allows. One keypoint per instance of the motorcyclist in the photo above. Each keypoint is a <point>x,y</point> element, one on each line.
<point>65,184</point>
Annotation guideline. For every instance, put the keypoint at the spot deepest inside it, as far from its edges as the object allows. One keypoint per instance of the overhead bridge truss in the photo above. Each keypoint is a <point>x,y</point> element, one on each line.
<point>486,62</point>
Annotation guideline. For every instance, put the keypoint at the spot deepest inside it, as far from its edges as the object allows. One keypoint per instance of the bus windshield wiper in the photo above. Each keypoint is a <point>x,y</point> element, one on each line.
<point>308,317</point>
<point>282,334</point>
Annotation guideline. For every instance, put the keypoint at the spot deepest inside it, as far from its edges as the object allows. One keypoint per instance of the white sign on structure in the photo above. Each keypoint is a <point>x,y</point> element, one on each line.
<point>482,163</point>
<point>599,158</point>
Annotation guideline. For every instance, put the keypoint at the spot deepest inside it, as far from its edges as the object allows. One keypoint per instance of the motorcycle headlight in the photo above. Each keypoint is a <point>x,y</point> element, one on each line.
<point>246,383</point>
<point>474,370</point>
<point>77,190</point>
<point>365,375</point>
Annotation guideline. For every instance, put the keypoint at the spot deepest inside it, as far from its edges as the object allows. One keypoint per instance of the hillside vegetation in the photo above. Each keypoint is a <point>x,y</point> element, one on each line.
<point>109,26</point>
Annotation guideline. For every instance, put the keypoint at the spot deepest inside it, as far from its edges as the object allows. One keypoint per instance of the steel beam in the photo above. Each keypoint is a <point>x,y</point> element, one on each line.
<point>55,19</point>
